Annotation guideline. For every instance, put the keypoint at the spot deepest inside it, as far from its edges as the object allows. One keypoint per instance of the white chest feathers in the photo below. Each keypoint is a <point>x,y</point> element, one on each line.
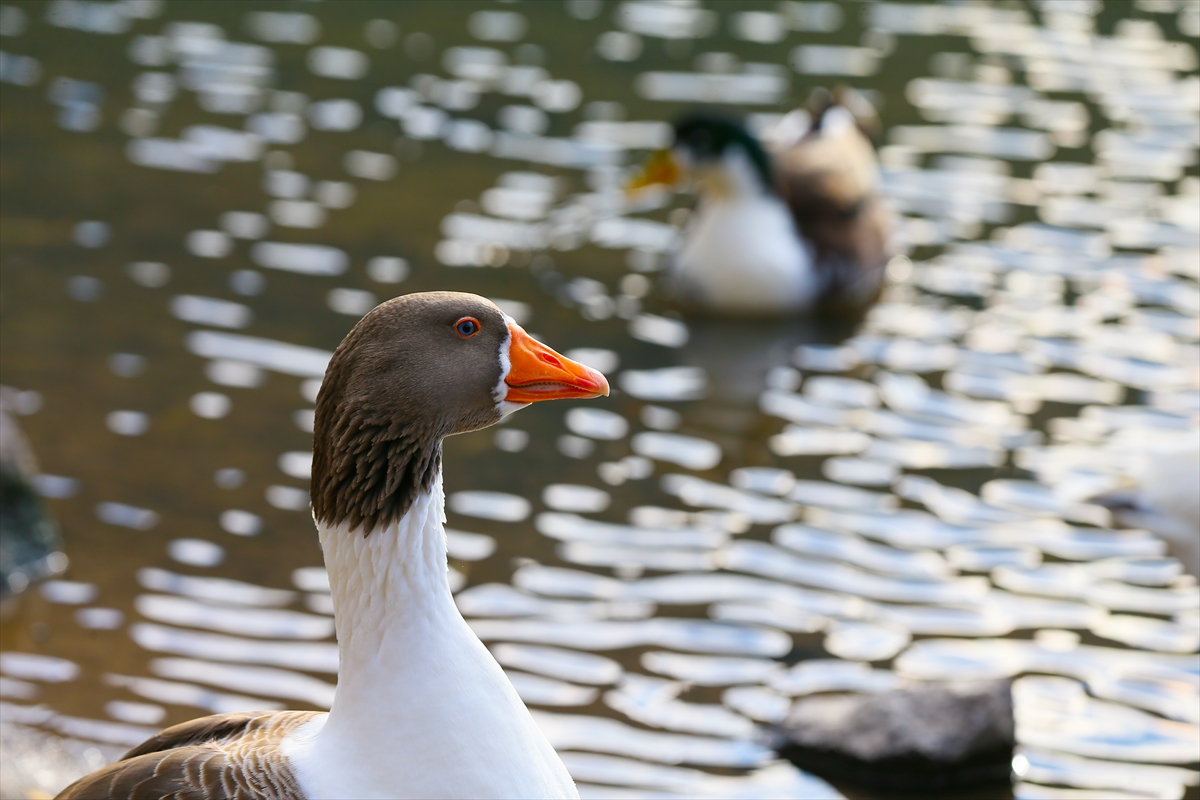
<point>422,709</point>
<point>450,726</point>
<point>741,252</point>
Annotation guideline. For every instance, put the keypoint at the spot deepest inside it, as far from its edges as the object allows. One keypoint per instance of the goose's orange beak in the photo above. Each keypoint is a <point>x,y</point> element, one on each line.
<point>538,373</point>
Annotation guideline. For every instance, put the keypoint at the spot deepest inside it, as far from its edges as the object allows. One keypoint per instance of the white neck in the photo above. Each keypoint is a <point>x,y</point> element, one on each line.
<point>390,594</point>
<point>421,709</point>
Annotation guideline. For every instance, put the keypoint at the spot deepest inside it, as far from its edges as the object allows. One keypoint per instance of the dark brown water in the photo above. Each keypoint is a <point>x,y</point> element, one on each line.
<point>69,307</point>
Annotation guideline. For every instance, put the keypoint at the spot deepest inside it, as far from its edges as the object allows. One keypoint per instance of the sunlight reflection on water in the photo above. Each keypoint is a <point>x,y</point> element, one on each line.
<point>931,474</point>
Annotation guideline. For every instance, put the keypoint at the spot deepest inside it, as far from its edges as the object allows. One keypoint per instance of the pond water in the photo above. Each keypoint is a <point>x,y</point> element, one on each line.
<point>200,199</point>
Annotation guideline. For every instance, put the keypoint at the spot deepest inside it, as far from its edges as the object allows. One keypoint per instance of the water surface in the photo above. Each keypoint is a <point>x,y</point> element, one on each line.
<point>761,512</point>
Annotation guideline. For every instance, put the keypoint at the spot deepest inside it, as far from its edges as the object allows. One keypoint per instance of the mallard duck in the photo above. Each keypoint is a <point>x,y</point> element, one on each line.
<point>421,708</point>
<point>794,229</point>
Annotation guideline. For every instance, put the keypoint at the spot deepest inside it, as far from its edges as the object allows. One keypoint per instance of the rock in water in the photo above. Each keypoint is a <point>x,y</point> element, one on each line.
<point>30,546</point>
<point>921,738</point>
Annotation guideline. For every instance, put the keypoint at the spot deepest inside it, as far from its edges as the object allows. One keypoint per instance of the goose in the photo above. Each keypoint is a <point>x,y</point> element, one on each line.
<point>797,230</point>
<point>421,707</point>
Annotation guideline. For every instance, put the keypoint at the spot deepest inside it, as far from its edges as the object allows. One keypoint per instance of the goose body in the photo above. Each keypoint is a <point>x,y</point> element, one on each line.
<point>421,708</point>
<point>797,229</point>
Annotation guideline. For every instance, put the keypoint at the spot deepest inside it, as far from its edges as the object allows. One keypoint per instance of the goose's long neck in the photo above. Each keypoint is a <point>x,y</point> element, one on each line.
<point>421,709</point>
<point>391,597</point>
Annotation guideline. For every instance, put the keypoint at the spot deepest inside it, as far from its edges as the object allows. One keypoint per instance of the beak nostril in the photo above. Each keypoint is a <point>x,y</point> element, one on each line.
<point>551,360</point>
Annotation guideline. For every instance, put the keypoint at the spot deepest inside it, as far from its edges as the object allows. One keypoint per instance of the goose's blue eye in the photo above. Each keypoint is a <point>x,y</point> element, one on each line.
<point>467,327</point>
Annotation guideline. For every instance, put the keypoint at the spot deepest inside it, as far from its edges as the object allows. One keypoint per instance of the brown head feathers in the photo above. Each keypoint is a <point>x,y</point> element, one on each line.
<point>403,379</point>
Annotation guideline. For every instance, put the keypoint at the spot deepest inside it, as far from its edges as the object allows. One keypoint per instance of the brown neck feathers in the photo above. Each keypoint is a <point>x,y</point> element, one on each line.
<point>368,475</point>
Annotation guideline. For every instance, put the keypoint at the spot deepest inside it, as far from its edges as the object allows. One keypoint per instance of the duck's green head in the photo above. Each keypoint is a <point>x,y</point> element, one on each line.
<point>707,147</point>
<point>706,138</point>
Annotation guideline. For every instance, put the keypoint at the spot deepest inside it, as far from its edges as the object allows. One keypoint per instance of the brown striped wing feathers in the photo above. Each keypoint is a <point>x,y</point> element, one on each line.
<point>222,757</point>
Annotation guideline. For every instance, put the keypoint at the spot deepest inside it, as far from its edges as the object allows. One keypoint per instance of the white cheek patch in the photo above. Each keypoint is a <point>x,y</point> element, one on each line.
<point>501,391</point>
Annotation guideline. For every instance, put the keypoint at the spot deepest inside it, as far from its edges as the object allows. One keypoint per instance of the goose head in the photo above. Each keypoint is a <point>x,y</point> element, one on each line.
<point>413,371</point>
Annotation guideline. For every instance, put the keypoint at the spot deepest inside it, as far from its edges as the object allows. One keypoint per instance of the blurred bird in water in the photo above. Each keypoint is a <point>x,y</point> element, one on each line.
<point>789,224</point>
<point>1163,496</point>
<point>421,708</point>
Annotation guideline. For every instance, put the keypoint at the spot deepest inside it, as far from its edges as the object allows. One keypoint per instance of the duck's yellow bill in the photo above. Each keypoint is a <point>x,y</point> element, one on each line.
<point>660,169</point>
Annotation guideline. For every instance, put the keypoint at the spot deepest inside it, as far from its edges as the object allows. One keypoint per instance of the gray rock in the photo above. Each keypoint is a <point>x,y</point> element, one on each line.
<point>16,456</point>
<point>924,736</point>
<point>30,545</point>
<point>942,721</point>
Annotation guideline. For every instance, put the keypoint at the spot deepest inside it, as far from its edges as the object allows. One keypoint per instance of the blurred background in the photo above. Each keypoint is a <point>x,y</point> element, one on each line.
<point>764,528</point>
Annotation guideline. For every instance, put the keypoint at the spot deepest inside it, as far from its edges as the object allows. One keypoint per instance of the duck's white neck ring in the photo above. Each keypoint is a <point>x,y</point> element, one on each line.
<point>731,178</point>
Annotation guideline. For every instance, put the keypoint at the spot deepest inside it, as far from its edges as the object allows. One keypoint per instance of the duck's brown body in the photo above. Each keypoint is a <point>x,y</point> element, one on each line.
<point>828,184</point>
